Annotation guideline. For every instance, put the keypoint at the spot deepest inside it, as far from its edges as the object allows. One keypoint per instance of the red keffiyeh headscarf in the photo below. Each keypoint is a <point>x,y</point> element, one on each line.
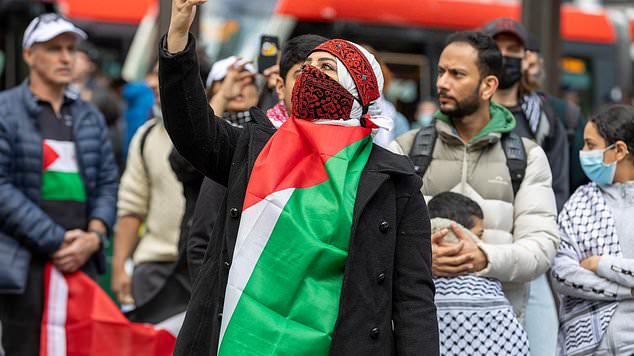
<point>316,96</point>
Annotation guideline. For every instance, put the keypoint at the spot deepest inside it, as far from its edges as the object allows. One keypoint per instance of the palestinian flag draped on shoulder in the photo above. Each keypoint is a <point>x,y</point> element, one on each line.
<point>286,276</point>
<point>80,319</point>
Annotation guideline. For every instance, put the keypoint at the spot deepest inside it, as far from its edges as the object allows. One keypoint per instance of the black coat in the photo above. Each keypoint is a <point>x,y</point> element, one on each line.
<point>209,203</point>
<point>556,146</point>
<point>387,279</point>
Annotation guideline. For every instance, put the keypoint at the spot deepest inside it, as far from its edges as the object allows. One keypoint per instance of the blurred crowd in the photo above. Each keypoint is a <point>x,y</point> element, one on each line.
<point>529,212</point>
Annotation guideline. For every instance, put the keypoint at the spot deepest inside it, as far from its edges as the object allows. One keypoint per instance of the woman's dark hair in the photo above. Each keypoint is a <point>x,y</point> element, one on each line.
<point>296,50</point>
<point>489,55</point>
<point>455,207</point>
<point>615,122</point>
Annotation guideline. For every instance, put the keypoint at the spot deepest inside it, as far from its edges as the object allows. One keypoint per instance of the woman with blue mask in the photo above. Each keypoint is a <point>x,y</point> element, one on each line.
<point>425,113</point>
<point>593,271</point>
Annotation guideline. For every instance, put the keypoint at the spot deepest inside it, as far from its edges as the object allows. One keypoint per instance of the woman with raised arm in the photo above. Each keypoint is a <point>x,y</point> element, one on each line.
<point>324,245</point>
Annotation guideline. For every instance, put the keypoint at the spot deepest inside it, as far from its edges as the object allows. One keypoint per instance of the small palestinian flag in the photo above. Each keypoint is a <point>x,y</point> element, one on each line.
<point>80,319</point>
<point>284,285</point>
<point>61,179</point>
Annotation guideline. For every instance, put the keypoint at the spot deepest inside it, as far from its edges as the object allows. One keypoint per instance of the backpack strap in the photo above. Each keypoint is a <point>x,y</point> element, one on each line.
<point>516,159</point>
<point>142,143</point>
<point>423,148</point>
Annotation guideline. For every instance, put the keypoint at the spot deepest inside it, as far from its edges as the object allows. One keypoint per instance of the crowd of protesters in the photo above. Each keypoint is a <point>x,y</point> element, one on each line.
<point>495,221</point>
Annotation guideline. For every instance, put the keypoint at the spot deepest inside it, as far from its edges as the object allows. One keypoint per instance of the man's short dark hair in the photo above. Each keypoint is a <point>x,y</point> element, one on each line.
<point>455,207</point>
<point>296,50</point>
<point>489,55</point>
<point>89,50</point>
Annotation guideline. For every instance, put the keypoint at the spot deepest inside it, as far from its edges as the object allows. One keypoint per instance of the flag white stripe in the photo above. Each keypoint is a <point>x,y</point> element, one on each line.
<point>56,326</point>
<point>255,229</point>
<point>172,324</point>
<point>67,161</point>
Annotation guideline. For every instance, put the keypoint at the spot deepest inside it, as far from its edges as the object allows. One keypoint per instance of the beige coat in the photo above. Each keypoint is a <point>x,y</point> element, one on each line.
<point>155,195</point>
<point>520,238</point>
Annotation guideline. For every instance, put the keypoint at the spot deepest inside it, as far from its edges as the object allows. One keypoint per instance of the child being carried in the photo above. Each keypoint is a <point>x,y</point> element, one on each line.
<point>474,316</point>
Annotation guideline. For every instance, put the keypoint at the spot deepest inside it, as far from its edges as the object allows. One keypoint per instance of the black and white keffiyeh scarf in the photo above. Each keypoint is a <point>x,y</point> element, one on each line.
<point>474,316</point>
<point>532,106</point>
<point>588,229</point>
<point>237,119</point>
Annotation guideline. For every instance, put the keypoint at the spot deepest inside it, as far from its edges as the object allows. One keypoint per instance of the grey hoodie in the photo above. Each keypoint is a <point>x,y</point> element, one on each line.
<point>619,336</point>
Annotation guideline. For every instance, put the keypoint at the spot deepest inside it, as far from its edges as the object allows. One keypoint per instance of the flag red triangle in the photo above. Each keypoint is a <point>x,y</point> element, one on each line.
<point>48,155</point>
<point>295,156</point>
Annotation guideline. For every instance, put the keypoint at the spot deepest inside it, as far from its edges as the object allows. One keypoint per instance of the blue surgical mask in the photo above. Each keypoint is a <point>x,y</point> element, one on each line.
<point>594,168</point>
<point>425,119</point>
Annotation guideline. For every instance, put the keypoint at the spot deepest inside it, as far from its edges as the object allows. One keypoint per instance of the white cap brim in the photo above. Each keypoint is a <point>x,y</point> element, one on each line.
<point>47,31</point>
<point>220,68</point>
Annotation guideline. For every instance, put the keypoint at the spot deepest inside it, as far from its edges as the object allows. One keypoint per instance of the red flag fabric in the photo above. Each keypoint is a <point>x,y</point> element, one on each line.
<point>80,319</point>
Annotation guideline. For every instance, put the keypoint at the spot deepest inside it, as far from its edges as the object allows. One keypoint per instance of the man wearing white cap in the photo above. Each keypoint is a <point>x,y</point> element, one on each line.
<point>58,181</point>
<point>231,89</point>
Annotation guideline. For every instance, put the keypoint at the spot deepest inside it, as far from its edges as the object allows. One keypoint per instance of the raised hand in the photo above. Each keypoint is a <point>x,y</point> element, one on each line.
<point>236,79</point>
<point>183,12</point>
<point>270,76</point>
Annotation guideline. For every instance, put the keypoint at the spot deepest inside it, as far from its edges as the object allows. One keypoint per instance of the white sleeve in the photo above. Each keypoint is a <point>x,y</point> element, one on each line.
<point>535,237</point>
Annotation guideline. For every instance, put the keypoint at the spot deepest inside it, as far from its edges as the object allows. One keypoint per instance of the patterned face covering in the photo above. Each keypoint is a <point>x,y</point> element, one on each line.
<point>316,96</point>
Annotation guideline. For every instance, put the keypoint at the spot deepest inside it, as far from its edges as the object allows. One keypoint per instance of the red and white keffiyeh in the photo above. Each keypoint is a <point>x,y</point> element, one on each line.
<point>350,101</point>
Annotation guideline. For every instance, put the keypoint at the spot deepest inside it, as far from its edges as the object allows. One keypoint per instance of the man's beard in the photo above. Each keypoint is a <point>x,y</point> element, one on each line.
<point>463,108</point>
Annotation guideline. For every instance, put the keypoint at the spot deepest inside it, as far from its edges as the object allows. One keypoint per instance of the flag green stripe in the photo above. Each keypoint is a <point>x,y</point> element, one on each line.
<point>291,301</point>
<point>63,186</point>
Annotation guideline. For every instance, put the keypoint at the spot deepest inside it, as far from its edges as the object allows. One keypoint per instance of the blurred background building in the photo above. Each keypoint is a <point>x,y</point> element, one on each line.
<point>596,47</point>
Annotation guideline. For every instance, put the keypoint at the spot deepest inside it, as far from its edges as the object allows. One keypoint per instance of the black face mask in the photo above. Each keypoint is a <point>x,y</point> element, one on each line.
<point>511,72</point>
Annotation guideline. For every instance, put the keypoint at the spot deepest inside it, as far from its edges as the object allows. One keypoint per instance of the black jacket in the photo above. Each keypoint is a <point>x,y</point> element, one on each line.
<point>387,279</point>
<point>574,123</point>
<point>555,145</point>
<point>209,203</point>
<point>192,181</point>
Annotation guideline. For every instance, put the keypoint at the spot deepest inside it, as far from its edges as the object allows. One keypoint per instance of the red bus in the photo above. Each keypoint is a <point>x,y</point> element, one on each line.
<point>410,35</point>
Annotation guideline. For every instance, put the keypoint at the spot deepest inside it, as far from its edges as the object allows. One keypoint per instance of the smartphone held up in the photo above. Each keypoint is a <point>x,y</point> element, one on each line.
<point>269,51</point>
